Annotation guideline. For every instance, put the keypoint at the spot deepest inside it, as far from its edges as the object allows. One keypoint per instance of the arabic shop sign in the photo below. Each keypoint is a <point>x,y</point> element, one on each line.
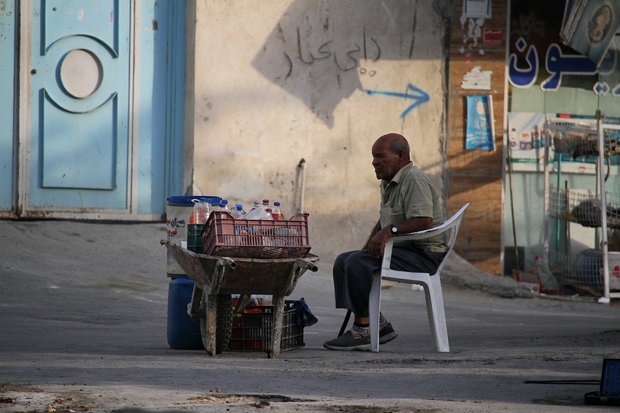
<point>524,67</point>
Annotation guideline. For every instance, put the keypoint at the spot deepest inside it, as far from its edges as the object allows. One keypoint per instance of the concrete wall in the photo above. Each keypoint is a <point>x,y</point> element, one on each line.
<point>275,82</point>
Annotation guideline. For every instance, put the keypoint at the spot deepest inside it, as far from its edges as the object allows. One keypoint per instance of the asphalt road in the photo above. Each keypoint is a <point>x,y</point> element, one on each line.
<point>83,317</point>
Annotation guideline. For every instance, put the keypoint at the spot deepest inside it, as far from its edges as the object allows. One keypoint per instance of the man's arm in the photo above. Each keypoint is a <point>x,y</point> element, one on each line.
<point>380,237</point>
<point>372,234</point>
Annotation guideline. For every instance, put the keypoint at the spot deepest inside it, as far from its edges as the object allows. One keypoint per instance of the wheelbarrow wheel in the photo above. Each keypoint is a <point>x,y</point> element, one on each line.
<point>223,322</point>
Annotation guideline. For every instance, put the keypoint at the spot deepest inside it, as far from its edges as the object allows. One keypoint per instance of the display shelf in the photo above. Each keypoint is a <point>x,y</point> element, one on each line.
<point>583,207</point>
<point>598,269</point>
<point>582,139</point>
<point>585,269</point>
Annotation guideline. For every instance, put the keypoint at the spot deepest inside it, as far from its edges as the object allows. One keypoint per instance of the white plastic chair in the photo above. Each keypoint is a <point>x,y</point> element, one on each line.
<point>430,282</point>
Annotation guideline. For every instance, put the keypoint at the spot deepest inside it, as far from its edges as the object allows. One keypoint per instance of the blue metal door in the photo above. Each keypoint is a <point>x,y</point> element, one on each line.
<point>103,135</point>
<point>7,91</point>
<point>80,78</point>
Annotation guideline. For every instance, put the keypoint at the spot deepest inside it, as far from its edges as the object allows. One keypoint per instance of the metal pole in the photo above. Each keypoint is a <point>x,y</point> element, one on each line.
<point>601,181</point>
<point>547,137</point>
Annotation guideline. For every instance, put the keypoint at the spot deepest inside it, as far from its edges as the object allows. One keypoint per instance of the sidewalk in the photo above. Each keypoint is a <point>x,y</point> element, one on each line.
<point>83,322</point>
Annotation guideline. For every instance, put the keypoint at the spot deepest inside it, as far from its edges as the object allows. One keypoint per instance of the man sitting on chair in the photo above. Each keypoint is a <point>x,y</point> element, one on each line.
<point>409,203</point>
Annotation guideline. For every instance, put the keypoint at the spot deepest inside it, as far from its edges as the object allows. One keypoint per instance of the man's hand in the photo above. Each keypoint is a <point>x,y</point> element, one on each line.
<point>378,241</point>
<point>380,236</point>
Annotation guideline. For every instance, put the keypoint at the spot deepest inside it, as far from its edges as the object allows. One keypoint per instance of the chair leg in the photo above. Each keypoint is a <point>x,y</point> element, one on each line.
<point>374,307</point>
<point>436,314</point>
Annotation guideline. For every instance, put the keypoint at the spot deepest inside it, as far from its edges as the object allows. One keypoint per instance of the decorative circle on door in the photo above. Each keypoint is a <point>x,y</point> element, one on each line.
<point>81,73</point>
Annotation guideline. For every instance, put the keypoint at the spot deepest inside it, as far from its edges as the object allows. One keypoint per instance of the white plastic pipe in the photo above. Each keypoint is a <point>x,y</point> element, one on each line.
<point>302,165</point>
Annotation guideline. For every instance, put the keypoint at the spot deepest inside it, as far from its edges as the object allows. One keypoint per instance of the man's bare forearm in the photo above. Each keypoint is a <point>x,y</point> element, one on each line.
<point>372,233</point>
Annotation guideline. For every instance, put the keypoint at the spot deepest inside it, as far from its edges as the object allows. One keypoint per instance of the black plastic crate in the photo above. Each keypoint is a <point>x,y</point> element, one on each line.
<point>252,329</point>
<point>194,239</point>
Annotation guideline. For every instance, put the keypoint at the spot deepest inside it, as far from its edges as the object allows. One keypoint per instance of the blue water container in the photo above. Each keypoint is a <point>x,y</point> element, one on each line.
<point>183,331</point>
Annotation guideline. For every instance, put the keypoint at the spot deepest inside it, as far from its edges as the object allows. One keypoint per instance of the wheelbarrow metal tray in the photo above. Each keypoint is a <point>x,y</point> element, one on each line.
<point>238,275</point>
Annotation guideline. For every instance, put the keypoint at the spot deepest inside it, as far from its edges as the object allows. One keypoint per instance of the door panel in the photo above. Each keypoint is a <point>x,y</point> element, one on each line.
<point>7,82</point>
<point>162,98</point>
<point>103,136</point>
<point>80,80</point>
<point>90,163</point>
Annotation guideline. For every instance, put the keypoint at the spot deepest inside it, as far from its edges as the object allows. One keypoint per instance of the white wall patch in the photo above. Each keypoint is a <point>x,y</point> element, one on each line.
<point>477,79</point>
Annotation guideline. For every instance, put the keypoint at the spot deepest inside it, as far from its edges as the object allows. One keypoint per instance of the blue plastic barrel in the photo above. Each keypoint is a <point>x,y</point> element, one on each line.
<point>183,331</point>
<point>589,268</point>
<point>187,200</point>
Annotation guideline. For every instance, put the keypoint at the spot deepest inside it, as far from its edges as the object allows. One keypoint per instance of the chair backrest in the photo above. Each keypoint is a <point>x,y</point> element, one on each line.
<point>455,221</point>
<point>452,224</point>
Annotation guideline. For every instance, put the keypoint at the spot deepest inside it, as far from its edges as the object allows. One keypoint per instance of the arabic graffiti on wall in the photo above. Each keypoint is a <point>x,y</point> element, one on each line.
<point>344,58</point>
<point>324,51</point>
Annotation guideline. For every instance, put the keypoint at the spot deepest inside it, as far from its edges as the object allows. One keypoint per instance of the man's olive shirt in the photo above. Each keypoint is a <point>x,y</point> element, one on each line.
<point>410,194</point>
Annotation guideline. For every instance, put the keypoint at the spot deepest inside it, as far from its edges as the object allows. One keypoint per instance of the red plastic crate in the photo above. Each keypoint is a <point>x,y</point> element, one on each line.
<point>225,236</point>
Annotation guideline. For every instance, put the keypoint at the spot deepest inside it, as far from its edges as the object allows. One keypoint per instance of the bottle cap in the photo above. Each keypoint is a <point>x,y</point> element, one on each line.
<point>239,207</point>
<point>276,203</point>
<point>225,201</point>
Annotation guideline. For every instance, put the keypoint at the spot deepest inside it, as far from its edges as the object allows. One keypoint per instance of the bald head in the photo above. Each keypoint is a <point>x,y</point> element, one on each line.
<point>396,142</point>
<point>389,154</point>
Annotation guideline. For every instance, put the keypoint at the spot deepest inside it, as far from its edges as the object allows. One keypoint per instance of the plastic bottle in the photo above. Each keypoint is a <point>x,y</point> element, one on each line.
<point>265,205</point>
<point>253,214</point>
<point>255,205</point>
<point>237,211</point>
<point>200,213</point>
<point>197,220</point>
<point>259,212</point>
<point>277,212</point>
<point>205,209</point>
<point>266,210</point>
<point>223,207</point>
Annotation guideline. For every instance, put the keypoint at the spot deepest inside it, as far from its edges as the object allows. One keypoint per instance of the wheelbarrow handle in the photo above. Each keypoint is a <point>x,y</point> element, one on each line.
<point>226,262</point>
<point>306,265</point>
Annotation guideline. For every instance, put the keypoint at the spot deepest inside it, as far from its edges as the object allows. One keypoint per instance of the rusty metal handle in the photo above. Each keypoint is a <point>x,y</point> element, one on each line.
<point>306,265</point>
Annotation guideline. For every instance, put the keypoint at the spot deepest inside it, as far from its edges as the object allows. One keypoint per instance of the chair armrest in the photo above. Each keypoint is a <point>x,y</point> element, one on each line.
<point>451,224</point>
<point>427,233</point>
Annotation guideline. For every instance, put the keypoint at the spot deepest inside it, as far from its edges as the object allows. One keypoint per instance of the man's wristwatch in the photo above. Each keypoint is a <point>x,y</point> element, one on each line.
<point>393,229</point>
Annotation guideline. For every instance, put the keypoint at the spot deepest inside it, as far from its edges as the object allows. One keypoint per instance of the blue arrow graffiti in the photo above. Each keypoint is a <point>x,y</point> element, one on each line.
<point>419,97</point>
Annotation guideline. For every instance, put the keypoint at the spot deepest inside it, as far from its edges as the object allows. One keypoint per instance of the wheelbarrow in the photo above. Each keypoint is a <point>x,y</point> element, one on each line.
<point>217,278</point>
